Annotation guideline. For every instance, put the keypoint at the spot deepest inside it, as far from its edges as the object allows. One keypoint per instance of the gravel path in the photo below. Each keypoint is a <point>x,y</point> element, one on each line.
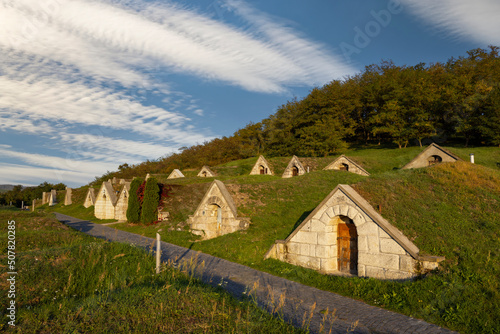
<point>299,300</point>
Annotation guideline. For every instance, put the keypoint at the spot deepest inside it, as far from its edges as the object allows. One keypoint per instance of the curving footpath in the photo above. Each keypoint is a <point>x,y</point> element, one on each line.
<point>293,301</point>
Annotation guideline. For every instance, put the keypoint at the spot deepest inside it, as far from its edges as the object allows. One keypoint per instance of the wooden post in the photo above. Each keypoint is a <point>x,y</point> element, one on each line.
<point>158,253</point>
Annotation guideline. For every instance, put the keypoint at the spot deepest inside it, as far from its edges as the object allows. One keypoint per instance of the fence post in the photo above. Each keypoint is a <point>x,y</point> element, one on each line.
<point>158,253</point>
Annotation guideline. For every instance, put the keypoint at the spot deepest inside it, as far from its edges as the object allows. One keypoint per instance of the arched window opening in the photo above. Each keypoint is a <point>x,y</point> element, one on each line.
<point>434,159</point>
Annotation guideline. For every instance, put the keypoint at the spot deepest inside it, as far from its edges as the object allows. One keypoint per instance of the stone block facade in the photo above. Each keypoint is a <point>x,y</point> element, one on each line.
<point>122,203</point>
<point>347,164</point>
<point>53,197</point>
<point>89,198</point>
<point>375,247</point>
<point>45,197</point>
<point>206,172</point>
<point>432,155</point>
<point>67,196</point>
<point>175,174</point>
<point>294,168</point>
<point>216,214</point>
<point>261,167</point>
<point>104,207</point>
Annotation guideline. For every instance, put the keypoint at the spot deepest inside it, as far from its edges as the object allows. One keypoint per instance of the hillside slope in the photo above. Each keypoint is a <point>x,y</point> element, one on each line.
<point>451,210</point>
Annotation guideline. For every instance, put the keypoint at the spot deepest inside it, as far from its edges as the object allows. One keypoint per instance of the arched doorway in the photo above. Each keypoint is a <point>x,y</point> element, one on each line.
<point>295,171</point>
<point>434,159</point>
<point>344,166</point>
<point>262,170</point>
<point>347,246</point>
<point>204,174</point>
<point>215,212</point>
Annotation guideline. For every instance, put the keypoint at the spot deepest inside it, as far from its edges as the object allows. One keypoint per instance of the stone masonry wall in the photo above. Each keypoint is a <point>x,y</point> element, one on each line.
<point>352,167</point>
<point>315,244</point>
<point>104,207</point>
<point>204,221</point>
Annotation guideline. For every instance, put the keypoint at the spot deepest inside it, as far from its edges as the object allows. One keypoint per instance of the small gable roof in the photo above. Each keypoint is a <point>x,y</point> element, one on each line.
<point>125,188</point>
<point>342,159</point>
<point>225,194</point>
<point>432,149</point>
<point>339,195</point>
<point>107,187</point>
<point>293,162</point>
<point>261,161</point>
<point>90,197</point>
<point>207,170</point>
<point>175,174</point>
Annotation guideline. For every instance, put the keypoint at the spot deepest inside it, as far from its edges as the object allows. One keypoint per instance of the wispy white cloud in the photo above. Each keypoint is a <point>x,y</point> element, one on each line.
<point>475,20</point>
<point>31,176</point>
<point>70,65</point>
<point>49,99</point>
<point>108,38</point>
<point>44,167</point>
<point>115,150</point>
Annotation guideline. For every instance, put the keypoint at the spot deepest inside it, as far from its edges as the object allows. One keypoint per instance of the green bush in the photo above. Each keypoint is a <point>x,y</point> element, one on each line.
<point>149,211</point>
<point>134,206</point>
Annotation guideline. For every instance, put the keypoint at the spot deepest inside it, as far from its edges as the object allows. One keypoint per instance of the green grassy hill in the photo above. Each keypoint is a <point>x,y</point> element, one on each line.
<point>72,283</point>
<point>451,210</point>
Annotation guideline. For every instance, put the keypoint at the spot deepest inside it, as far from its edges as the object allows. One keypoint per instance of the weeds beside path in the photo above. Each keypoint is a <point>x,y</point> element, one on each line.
<point>306,307</point>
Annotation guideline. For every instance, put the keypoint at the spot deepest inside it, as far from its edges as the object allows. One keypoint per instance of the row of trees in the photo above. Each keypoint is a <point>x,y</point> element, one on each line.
<point>457,101</point>
<point>143,201</point>
<point>20,194</point>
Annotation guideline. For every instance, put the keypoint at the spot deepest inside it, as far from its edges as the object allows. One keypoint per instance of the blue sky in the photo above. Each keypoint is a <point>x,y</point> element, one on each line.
<point>88,85</point>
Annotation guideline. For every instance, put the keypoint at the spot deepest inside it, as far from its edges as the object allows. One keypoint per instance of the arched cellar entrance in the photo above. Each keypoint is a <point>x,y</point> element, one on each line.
<point>347,245</point>
<point>295,171</point>
<point>344,166</point>
<point>434,159</point>
<point>262,170</point>
<point>215,213</point>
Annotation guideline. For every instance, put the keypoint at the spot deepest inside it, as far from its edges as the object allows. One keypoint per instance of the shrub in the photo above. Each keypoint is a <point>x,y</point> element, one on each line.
<point>149,211</point>
<point>134,206</point>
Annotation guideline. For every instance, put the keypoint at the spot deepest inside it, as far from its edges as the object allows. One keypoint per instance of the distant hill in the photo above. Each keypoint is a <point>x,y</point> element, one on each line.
<point>6,187</point>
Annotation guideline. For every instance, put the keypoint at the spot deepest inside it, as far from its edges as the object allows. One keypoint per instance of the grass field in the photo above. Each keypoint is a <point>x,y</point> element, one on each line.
<point>450,210</point>
<point>68,282</point>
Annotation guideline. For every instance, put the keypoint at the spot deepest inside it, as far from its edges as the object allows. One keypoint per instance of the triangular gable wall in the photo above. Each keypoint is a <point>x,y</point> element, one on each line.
<point>382,250</point>
<point>89,198</point>
<point>206,172</point>
<point>122,202</point>
<point>425,157</point>
<point>45,197</point>
<point>67,197</point>
<point>295,162</point>
<point>53,197</point>
<point>175,174</point>
<point>216,214</point>
<point>105,202</point>
<point>261,167</point>
<point>343,162</point>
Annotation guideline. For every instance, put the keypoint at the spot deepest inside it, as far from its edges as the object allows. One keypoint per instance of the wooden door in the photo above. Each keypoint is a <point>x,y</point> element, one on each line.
<point>295,171</point>
<point>347,247</point>
<point>262,170</point>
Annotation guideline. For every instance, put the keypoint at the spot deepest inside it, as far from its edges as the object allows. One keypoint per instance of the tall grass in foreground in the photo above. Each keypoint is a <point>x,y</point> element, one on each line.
<point>72,283</point>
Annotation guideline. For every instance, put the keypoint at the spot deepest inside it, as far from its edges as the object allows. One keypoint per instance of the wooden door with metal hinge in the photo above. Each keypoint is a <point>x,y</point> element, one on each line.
<point>347,247</point>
